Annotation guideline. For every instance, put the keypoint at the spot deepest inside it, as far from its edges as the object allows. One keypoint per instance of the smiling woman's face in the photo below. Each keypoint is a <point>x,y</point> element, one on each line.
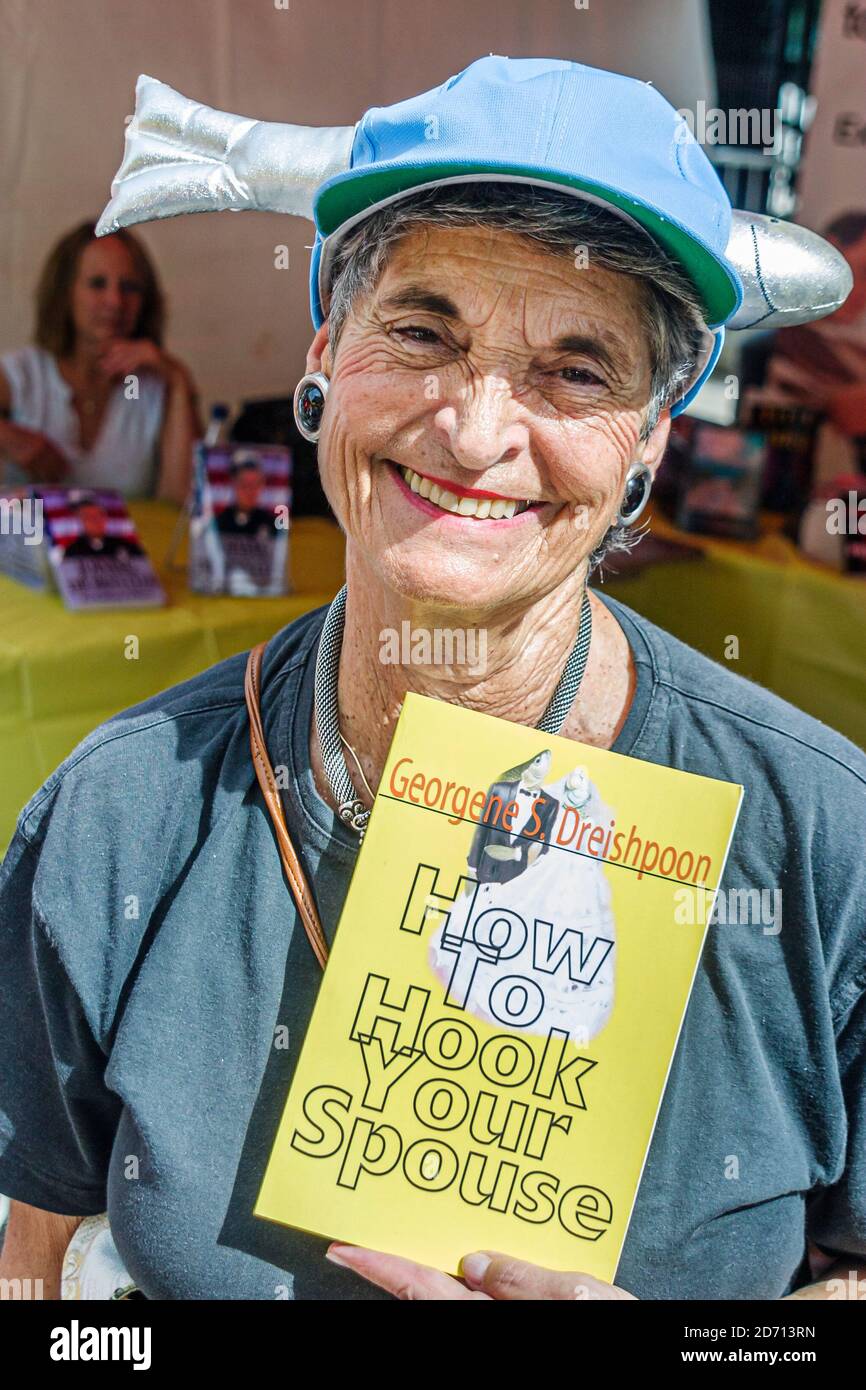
<point>486,368</point>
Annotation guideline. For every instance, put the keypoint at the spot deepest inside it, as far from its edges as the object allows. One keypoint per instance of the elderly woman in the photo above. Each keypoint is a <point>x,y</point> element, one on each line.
<point>492,381</point>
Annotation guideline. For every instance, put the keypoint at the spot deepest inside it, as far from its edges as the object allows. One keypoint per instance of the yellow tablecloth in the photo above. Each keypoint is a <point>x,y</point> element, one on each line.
<point>801,632</point>
<point>801,627</point>
<point>62,673</point>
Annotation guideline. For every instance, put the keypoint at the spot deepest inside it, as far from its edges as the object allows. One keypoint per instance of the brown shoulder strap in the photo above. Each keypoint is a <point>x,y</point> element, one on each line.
<point>265,773</point>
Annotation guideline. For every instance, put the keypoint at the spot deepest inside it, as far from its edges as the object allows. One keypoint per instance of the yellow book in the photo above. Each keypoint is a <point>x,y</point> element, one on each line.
<point>496,1022</point>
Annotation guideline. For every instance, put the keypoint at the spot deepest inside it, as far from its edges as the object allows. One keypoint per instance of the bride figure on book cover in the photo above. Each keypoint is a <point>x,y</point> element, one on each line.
<point>559,971</point>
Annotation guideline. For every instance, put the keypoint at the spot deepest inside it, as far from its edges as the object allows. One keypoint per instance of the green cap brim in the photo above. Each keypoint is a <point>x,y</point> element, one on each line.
<point>351,194</point>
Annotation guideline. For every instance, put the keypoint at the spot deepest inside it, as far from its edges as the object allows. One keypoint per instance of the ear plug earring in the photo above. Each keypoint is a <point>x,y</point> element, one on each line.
<point>638,486</point>
<point>309,404</point>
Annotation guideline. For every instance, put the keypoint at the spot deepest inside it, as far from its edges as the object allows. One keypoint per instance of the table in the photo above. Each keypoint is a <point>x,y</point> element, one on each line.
<point>801,627</point>
<point>63,673</point>
<point>801,631</point>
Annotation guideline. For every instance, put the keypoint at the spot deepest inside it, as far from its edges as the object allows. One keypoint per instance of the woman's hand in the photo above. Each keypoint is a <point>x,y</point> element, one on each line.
<point>33,452</point>
<point>35,1246</point>
<point>126,356</point>
<point>485,1275</point>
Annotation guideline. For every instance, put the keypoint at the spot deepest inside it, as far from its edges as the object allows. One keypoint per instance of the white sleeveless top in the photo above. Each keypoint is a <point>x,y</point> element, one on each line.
<point>125,454</point>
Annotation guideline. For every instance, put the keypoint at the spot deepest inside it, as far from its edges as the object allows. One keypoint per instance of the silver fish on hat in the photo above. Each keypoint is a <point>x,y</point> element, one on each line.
<point>181,156</point>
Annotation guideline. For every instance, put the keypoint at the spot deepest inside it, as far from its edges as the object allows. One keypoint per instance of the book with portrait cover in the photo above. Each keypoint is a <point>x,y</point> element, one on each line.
<point>85,542</point>
<point>495,1026</point>
<point>720,490</point>
<point>239,520</point>
<point>96,555</point>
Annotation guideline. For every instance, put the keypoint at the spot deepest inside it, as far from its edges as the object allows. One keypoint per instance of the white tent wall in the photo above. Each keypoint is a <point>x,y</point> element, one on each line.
<point>67,78</point>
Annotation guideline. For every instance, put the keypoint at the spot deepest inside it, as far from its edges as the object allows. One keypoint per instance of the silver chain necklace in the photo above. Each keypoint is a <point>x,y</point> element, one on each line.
<point>327,711</point>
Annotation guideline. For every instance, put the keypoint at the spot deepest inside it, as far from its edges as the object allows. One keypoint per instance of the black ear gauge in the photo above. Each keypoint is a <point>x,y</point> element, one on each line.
<point>309,404</point>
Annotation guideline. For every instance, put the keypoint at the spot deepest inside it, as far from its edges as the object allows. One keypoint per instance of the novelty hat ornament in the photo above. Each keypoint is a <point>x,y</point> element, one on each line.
<point>596,135</point>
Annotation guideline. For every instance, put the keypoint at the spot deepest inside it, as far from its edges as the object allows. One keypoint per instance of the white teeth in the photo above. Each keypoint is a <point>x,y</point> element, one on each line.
<point>500,508</point>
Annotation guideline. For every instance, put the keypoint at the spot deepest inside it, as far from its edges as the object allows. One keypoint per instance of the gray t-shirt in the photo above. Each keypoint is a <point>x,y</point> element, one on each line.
<point>157,986</point>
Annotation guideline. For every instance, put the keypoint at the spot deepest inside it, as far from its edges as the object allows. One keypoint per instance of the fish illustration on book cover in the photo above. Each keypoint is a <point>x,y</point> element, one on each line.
<point>555,978</point>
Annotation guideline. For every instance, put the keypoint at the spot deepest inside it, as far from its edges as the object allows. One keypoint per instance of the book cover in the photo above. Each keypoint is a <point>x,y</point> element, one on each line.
<point>720,492</point>
<point>496,1022</point>
<point>23,552</point>
<point>239,523</point>
<point>789,428</point>
<point>94,551</point>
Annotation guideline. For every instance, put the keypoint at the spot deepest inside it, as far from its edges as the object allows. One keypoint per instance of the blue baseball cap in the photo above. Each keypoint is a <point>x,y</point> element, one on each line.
<point>595,134</point>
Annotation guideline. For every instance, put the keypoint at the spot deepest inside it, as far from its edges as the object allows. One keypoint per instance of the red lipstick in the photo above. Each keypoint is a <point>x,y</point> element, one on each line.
<point>459,491</point>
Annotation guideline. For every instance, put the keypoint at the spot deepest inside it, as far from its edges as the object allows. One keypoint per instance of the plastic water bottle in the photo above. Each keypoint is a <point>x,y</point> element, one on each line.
<point>216,428</point>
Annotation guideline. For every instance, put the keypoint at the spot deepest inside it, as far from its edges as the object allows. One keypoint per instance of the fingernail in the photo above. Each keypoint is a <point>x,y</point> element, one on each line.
<point>473,1268</point>
<point>334,1254</point>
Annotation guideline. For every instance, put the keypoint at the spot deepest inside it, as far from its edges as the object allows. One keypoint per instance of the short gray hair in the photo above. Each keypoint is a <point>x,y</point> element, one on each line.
<point>671,312</point>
